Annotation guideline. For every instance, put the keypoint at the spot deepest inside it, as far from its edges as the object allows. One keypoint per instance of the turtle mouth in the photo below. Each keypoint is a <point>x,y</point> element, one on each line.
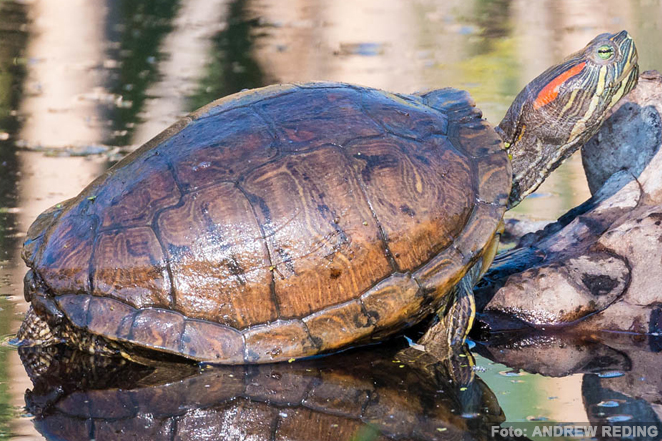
<point>633,66</point>
<point>625,82</point>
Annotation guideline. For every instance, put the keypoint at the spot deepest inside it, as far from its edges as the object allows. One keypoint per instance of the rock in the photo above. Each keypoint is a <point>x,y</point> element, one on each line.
<point>631,137</point>
<point>517,227</point>
<point>599,267</point>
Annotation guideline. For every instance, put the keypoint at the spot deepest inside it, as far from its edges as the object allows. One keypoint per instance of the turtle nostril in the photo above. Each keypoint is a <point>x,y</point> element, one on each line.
<point>623,35</point>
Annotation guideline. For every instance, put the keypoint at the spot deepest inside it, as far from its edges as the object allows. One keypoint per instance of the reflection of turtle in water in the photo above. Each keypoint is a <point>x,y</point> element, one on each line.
<point>294,220</point>
<point>376,394</point>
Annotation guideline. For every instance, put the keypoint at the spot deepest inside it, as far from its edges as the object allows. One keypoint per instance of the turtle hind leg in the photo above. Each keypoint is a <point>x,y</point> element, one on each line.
<point>37,345</point>
<point>35,331</point>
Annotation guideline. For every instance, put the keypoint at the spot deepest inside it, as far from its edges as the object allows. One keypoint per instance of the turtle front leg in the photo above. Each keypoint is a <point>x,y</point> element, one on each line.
<point>455,318</point>
<point>445,339</point>
<point>460,316</point>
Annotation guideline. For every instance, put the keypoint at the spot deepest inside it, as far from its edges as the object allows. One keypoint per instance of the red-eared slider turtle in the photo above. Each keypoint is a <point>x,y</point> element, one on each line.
<point>294,220</point>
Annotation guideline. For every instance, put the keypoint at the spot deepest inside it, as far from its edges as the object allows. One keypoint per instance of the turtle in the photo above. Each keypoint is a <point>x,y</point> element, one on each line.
<point>301,219</point>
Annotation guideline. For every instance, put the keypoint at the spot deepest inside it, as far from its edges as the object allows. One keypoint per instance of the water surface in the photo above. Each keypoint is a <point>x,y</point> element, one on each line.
<point>83,83</point>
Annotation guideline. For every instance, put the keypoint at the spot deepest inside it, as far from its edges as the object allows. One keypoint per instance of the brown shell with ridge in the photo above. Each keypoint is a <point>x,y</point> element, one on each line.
<point>278,223</point>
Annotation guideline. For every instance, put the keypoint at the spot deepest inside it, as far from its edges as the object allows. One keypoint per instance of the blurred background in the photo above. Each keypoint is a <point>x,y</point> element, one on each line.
<point>84,82</point>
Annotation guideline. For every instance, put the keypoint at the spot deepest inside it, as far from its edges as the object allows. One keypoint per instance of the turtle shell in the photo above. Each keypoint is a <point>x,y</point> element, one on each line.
<point>277,223</point>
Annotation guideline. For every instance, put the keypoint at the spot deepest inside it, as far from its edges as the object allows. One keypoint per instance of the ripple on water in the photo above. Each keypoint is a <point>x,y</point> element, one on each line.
<point>362,49</point>
<point>619,418</point>
<point>512,373</point>
<point>537,418</point>
<point>21,412</point>
<point>8,341</point>
<point>610,403</point>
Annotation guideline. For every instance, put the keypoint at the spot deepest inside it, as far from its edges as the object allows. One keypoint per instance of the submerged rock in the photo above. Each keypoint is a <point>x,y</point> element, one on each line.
<point>599,267</point>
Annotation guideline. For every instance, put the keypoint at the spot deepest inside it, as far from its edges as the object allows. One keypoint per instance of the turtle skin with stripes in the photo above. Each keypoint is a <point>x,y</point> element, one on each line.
<point>273,224</point>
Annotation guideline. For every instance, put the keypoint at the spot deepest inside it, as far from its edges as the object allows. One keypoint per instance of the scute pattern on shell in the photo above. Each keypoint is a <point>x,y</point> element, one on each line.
<point>279,223</point>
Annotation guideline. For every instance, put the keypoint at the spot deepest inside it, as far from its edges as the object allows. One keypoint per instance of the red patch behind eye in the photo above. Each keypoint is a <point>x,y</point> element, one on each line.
<point>551,90</point>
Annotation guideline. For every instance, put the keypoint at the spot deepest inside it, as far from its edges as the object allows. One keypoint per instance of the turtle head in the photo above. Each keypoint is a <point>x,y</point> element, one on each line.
<point>564,107</point>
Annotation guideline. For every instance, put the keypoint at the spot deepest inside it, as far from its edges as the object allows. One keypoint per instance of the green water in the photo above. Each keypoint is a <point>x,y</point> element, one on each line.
<point>115,73</point>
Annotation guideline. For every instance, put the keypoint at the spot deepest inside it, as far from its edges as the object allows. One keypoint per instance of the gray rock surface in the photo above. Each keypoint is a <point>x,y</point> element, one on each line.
<point>630,139</point>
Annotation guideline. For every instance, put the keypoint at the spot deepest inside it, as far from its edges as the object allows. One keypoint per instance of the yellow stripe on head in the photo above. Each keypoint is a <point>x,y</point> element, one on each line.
<point>580,126</point>
<point>619,93</point>
<point>570,102</point>
<point>601,81</point>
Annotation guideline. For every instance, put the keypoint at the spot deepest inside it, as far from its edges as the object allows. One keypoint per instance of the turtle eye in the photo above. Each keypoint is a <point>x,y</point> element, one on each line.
<point>605,52</point>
